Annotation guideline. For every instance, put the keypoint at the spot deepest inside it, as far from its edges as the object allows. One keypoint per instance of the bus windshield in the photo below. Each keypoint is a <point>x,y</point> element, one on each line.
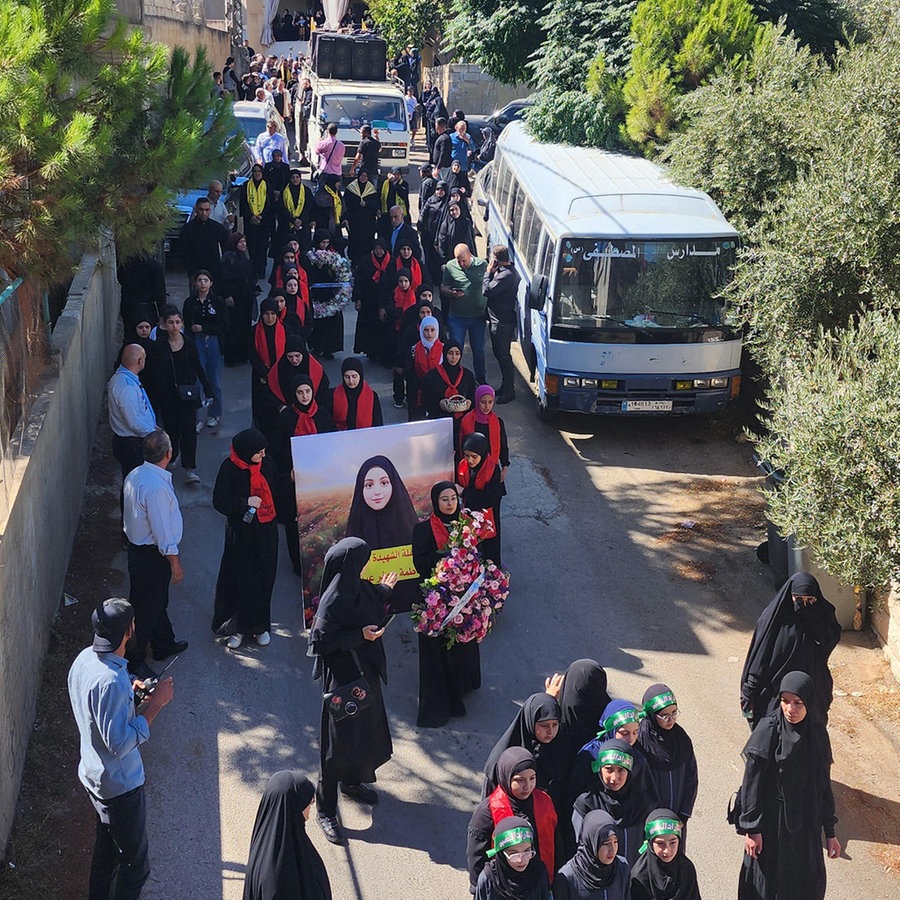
<point>354,110</point>
<point>642,284</point>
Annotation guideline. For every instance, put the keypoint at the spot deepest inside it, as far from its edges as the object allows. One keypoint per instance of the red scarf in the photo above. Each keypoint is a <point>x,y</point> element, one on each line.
<point>485,473</point>
<point>380,267</point>
<point>440,531</point>
<point>365,406</point>
<point>415,269</point>
<point>315,374</point>
<point>262,345</point>
<point>306,423</point>
<point>259,487</point>
<point>403,300</point>
<point>544,821</point>
<point>451,385</point>
<point>425,360</point>
<point>467,426</point>
<point>300,305</point>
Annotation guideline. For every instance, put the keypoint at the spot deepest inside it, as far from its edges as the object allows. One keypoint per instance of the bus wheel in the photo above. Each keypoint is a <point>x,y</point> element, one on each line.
<point>544,413</point>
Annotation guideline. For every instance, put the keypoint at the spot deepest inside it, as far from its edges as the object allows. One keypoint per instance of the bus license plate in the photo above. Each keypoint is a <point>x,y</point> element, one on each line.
<point>646,406</point>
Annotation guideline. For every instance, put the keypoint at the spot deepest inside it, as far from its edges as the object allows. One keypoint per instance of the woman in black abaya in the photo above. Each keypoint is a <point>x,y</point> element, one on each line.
<point>513,871</point>
<point>595,872</point>
<point>283,863</point>
<point>786,801</point>
<point>345,639</point>
<point>663,872</point>
<point>796,632</point>
<point>479,476</point>
<point>535,727</point>
<point>445,676</point>
<point>246,480</point>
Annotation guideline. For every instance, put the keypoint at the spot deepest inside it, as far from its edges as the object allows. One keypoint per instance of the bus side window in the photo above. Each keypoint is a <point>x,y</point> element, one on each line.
<point>531,234</point>
<point>501,186</point>
<point>546,255</point>
<point>516,211</point>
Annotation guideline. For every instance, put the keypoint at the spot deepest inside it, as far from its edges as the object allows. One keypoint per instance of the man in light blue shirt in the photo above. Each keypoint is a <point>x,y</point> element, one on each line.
<point>267,141</point>
<point>110,732</point>
<point>153,526</point>
<point>131,417</point>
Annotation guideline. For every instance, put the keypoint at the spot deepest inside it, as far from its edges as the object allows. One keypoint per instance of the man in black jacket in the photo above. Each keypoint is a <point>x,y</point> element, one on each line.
<point>442,153</point>
<point>202,242</point>
<point>501,289</point>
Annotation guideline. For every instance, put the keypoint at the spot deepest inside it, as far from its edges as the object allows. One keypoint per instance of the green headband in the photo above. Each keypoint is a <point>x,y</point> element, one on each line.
<point>613,757</point>
<point>658,828</point>
<point>510,839</point>
<point>659,702</point>
<point>622,717</point>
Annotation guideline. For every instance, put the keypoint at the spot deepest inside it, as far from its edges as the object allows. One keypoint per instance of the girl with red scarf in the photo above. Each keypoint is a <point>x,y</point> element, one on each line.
<point>246,481</point>
<point>445,676</point>
<point>447,380</point>
<point>426,354</point>
<point>297,360</point>
<point>479,477</point>
<point>406,259</point>
<point>353,403</point>
<point>370,283</point>
<point>483,419</point>
<point>267,345</point>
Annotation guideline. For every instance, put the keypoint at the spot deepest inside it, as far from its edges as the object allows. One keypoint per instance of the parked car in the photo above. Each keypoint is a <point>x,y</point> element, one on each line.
<point>497,120</point>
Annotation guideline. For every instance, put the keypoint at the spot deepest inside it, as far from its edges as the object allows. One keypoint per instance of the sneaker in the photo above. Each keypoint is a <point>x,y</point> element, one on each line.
<point>199,426</point>
<point>263,639</point>
<point>331,829</point>
<point>234,641</point>
<point>192,477</point>
<point>398,404</point>
<point>212,422</point>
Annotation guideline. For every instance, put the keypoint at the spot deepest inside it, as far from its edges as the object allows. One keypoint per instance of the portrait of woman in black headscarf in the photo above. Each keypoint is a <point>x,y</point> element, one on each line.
<point>797,631</point>
<point>445,676</point>
<point>596,870</point>
<point>345,639</point>
<point>786,801</point>
<point>283,862</point>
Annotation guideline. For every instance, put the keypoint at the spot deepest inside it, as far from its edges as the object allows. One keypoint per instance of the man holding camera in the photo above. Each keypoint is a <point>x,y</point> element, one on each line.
<point>111,730</point>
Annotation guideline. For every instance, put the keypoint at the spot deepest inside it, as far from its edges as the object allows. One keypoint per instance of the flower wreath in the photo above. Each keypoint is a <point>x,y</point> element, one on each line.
<point>461,574</point>
<point>341,278</point>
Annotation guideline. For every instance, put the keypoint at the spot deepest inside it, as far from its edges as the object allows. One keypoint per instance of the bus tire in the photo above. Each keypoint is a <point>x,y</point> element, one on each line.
<point>544,413</point>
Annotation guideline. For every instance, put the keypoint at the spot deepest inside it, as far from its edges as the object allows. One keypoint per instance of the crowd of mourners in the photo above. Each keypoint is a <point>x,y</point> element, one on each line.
<point>583,795</point>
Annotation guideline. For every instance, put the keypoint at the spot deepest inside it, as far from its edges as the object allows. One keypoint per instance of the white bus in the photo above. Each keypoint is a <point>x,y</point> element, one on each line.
<point>620,268</point>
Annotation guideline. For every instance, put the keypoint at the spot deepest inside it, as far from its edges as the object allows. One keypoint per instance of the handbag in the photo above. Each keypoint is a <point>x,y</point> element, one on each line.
<point>349,699</point>
<point>189,393</point>
<point>733,813</point>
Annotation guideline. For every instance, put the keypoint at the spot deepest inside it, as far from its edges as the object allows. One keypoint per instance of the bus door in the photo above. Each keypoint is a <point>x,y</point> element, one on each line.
<point>536,317</point>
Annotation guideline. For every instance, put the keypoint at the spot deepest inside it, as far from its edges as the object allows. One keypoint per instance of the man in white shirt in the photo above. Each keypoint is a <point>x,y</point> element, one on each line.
<point>154,527</point>
<point>268,141</point>
<point>219,212</point>
<point>131,416</point>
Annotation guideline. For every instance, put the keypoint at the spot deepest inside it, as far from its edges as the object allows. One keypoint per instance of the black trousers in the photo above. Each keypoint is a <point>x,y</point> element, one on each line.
<point>120,865</point>
<point>501,338</point>
<point>128,452</point>
<point>150,574</point>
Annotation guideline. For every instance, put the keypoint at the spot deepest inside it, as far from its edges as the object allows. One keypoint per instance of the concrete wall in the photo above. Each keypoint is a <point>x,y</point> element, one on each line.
<point>179,23</point>
<point>49,471</point>
<point>464,86</point>
<point>886,625</point>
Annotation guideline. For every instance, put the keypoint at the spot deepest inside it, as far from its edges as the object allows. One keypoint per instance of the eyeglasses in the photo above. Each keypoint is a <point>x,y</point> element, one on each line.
<point>668,717</point>
<point>518,856</point>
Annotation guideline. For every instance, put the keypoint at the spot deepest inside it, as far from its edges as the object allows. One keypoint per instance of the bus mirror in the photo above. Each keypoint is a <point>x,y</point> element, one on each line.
<point>537,292</point>
<point>482,202</point>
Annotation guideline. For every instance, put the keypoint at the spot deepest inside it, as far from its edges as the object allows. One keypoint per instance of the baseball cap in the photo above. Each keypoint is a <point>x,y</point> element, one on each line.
<point>111,620</point>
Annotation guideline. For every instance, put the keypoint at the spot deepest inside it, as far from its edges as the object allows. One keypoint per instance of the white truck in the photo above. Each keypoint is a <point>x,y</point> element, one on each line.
<point>352,104</point>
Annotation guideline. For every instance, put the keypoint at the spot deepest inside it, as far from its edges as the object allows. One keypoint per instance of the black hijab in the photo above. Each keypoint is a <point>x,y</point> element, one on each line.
<point>476,442</point>
<point>595,831</point>
<point>436,491</point>
<point>626,805</point>
<point>283,862</point>
<point>582,701</point>
<point>292,400</point>
<point>287,371</point>
<point>791,637</point>
<point>390,526</point>
<point>506,882</point>
<point>675,880</point>
<point>512,761</point>
<point>667,749</point>
<point>248,443</point>
<point>452,371</point>
<point>537,708</point>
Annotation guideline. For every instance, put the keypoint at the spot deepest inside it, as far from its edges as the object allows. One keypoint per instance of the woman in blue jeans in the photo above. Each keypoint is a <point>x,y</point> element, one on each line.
<point>206,317</point>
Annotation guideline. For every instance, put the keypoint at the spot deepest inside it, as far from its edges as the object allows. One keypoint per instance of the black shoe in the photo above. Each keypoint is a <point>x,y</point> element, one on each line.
<point>166,652</point>
<point>332,830</point>
<point>504,398</point>
<point>141,671</point>
<point>361,793</point>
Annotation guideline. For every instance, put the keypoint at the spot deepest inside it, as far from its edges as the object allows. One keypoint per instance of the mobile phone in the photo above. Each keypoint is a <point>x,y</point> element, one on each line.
<point>388,620</point>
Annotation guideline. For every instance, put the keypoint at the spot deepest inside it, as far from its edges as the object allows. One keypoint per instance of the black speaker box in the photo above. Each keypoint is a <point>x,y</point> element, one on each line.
<point>369,59</point>
<point>333,57</point>
<point>347,57</point>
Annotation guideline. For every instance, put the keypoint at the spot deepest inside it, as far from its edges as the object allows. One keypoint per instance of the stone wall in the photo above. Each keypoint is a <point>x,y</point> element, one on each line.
<point>464,86</point>
<point>182,23</point>
<point>49,474</point>
<point>886,625</point>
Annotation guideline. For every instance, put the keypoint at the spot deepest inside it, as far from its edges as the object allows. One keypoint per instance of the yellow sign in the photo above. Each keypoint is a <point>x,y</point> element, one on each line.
<point>390,559</point>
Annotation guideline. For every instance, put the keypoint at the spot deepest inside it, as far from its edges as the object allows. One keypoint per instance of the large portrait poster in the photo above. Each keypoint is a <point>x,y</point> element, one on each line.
<point>373,483</point>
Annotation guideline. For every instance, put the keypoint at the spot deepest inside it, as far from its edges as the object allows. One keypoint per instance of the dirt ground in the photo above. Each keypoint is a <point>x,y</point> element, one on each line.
<point>51,843</point>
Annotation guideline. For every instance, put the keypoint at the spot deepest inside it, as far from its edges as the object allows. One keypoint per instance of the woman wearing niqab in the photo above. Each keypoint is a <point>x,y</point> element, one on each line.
<point>654,879</point>
<point>786,800</point>
<point>584,877</point>
<point>797,631</point>
<point>283,863</point>
<point>352,749</point>
<point>445,675</point>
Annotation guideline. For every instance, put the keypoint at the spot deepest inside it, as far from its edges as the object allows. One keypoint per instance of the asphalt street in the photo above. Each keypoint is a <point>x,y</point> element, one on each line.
<point>588,502</point>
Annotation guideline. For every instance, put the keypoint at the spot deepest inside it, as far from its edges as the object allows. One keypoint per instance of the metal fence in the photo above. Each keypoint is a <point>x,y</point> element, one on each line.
<point>23,356</point>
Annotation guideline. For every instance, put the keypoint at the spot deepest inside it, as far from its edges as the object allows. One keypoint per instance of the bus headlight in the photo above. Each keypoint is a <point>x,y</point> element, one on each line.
<point>701,382</point>
<point>589,382</point>
<point>718,382</point>
<point>683,385</point>
<point>609,384</point>
<point>551,384</point>
<point>569,382</point>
